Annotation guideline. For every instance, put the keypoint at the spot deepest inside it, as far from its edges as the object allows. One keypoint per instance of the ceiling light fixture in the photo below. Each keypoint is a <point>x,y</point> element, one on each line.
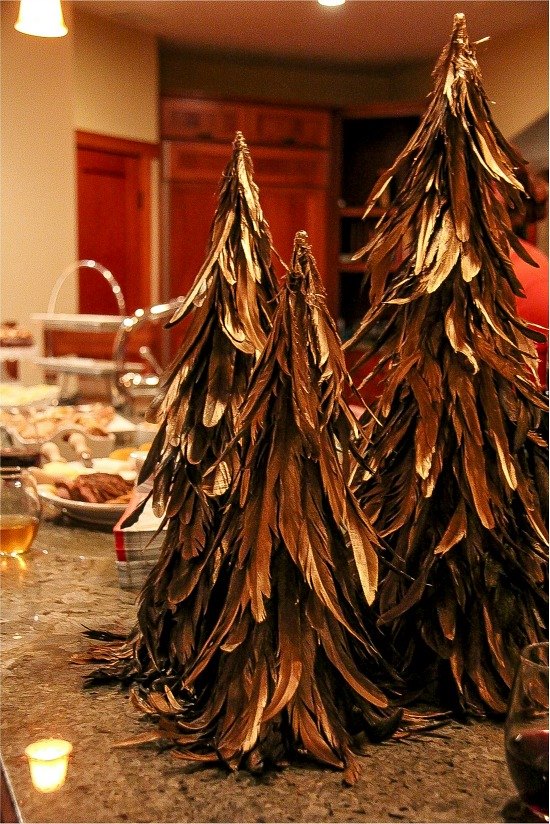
<point>41,18</point>
<point>331,2</point>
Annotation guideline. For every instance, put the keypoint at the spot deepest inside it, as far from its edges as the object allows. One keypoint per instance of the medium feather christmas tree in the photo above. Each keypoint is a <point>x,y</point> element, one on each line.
<point>231,302</point>
<point>458,481</point>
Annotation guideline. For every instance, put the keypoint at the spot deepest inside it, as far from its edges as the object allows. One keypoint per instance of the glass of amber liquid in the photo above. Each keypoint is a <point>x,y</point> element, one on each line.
<point>19,510</point>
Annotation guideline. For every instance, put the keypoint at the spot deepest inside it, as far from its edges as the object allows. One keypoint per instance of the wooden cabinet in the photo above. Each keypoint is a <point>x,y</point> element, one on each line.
<point>288,127</point>
<point>314,170</point>
<point>182,119</point>
<point>370,139</point>
<point>289,208</point>
<point>290,150</point>
<point>261,124</point>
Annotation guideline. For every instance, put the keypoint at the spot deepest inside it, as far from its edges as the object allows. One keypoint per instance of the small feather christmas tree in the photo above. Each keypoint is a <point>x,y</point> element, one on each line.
<point>272,641</point>
<point>283,657</point>
<point>459,481</point>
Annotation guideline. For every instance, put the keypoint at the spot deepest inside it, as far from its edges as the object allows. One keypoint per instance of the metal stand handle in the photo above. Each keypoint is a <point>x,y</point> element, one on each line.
<point>115,288</point>
<point>87,264</point>
<point>153,314</point>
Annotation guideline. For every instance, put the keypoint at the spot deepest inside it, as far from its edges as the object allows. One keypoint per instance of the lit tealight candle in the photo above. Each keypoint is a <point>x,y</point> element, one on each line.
<point>48,760</point>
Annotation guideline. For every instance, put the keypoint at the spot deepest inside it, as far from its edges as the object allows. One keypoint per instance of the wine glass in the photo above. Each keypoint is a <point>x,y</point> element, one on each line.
<point>526,730</point>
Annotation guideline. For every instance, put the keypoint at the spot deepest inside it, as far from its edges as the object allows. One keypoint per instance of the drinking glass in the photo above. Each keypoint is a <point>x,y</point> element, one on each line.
<point>526,730</point>
<point>20,510</point>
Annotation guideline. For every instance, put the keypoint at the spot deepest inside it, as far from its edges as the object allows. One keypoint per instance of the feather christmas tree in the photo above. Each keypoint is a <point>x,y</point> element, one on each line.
<point>231,302</point>
<point>279,655</point>
<point>459,481</point>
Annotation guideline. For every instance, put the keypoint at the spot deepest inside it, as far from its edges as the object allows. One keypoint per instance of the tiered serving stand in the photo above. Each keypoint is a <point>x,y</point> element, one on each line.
<point>52,320</point>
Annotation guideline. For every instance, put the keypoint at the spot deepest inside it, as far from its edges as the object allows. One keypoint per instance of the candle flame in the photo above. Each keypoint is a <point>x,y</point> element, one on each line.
<point>48,761</point>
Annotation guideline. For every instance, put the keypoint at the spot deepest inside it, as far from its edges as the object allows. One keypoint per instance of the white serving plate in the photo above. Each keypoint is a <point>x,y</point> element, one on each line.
<point>145,432</point>
<point>138,458</point>
<point>72,469</point>
<point>120,425</point>
<point>99,514</point>
<point>18,353</point>
<point>100,445</point>
<point>74,365</point>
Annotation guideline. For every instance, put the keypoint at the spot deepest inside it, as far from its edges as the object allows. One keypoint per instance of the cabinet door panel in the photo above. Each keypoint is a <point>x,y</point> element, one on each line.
<point>279,167</point>
<point>191,210</point>
<point>217,121</point>
<point>194,162</point>
<point>289,210</point>
<point>271,125</point>
<point>290,167</point>
<point>191,207</point>
<point>198,119</point>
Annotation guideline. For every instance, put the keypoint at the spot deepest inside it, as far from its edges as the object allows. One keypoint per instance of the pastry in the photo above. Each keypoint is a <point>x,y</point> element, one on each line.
<point>11,334</point>
<point>43,424</point>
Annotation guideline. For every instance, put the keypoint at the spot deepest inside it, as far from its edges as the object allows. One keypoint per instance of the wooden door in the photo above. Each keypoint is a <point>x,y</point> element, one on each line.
<point>289,210</point>
<point>189,215</point>
<point>109,205</point>
<point>191,211</point>
<point>114,195</point>
<point>114,185</point>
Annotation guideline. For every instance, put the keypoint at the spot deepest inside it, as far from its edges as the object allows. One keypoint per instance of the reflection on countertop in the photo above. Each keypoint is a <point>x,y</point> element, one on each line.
<point>68,581</point>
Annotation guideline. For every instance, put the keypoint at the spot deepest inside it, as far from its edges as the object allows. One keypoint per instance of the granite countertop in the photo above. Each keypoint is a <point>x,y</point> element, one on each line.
<point>68,580</point>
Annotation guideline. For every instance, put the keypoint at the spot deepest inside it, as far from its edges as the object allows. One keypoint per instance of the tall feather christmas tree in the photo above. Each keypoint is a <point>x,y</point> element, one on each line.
<point>458,483</point>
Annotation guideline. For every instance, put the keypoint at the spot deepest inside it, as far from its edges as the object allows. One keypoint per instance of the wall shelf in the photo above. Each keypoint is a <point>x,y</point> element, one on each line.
<point>351,266</point>
<point>370,139</point>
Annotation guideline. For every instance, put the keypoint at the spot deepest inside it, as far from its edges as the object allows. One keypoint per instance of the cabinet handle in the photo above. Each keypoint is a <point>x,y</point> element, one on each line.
<point>205,136</point>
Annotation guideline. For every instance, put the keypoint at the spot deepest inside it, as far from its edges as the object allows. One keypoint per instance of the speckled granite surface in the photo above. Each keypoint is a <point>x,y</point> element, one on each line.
<point>70,580</point>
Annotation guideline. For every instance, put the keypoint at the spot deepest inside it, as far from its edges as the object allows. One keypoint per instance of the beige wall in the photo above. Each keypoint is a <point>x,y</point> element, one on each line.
<point>515,76</point>
<point>116,79</point>
<point>38,206</point>
<point>99,78</point>
<point>514,70</point>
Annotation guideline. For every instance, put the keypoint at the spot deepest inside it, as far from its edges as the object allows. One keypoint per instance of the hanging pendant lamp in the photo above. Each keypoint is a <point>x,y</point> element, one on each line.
<point>41,18</point>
